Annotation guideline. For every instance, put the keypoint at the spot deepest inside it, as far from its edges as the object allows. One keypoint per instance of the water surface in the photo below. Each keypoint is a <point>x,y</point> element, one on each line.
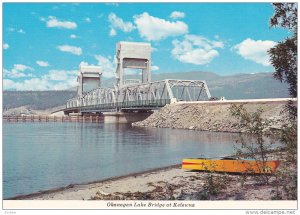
<point>47,155</point>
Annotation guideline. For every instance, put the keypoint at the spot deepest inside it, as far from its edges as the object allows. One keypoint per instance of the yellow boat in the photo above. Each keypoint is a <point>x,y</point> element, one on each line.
<point>230,164</point>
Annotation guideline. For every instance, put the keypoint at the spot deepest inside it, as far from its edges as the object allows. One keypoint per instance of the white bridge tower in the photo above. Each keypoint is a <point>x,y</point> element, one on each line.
<point>134,56</point>
<point>89,78</point>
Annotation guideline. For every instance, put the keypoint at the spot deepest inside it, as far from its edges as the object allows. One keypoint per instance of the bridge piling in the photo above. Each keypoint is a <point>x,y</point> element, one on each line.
<point>112,117</point>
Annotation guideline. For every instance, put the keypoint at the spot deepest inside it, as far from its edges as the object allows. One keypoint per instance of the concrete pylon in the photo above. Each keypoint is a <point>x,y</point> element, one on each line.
<point>135,56</point>
<point>89,78</point>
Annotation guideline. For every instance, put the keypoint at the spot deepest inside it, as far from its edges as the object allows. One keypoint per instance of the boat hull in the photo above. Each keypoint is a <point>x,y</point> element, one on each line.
<point>231,166</point>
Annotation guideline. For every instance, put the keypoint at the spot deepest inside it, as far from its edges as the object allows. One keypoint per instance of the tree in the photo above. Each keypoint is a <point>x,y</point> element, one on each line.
<point>284,55</point>
<point>284,59</point>
<point>253,142</point>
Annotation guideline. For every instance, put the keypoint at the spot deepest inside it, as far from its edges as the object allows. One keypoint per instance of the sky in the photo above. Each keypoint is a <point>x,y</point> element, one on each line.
<point>44,43</point>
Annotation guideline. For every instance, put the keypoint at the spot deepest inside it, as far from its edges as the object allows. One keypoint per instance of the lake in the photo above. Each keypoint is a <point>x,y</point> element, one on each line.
<point>46,155</point>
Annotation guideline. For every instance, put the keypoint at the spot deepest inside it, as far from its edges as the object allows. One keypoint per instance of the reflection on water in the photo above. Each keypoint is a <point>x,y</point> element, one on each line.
<point>41,156</point>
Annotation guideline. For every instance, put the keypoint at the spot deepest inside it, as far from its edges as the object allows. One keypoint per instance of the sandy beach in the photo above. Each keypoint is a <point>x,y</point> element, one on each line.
<point>168,183</point>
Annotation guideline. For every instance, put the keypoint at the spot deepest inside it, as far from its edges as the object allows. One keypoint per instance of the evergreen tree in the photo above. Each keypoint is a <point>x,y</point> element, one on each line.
<point>284,54</point>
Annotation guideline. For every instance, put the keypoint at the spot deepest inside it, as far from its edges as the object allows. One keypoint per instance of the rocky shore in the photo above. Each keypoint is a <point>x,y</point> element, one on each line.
<point>211,117</point>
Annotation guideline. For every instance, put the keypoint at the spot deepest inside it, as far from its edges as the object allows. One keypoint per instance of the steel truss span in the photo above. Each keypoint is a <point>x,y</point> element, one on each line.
<point>141,96</point>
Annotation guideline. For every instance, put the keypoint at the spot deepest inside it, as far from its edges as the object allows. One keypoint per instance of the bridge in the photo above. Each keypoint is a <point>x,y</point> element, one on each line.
<point>139,97</point>
<point>132,95</point>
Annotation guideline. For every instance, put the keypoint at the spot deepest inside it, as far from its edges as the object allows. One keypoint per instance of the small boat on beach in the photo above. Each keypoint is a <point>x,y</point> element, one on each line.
<point>230,165</point>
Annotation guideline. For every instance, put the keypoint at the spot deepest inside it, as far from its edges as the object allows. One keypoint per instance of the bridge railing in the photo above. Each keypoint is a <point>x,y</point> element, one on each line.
<point>142,104</point>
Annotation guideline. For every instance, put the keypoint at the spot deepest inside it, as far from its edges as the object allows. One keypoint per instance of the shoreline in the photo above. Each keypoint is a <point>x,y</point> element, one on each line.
<point>110,179</point>
<point>173,183</point>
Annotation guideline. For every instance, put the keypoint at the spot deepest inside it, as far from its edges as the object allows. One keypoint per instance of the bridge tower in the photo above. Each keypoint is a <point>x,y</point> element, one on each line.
<point>89,78</point>
<point>135,56</point>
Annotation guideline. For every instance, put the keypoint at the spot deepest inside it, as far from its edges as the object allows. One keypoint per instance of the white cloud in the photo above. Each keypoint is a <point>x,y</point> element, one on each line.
<point>13,73</point>
<point>153,49</point>
<point>112,32</point>
<point>55,23</point>
<point>42,63</point>
<point>60,75</point>
<point>255,50</point>
<point>18,71</point>
<point>177,15</point>
<point>7,84</point>
<point>107,65</point>
<point>118,23</point>
<point>153,28</point>
<point>71,49</point>
<point>53,80</point>
<point>154,68</point>
<point>21,31</point>
<point>195,49</point>
<point>83,63</point>
<point>5,46</point>
<point>100,16</point>
<point>87,19</point>
<point>30,84</point>
<point>73,36</point>
<point>203,42</point>
<point>21,67</point>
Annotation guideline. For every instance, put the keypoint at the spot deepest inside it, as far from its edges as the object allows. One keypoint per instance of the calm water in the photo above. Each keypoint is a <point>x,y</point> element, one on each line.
<point>41,156</point>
